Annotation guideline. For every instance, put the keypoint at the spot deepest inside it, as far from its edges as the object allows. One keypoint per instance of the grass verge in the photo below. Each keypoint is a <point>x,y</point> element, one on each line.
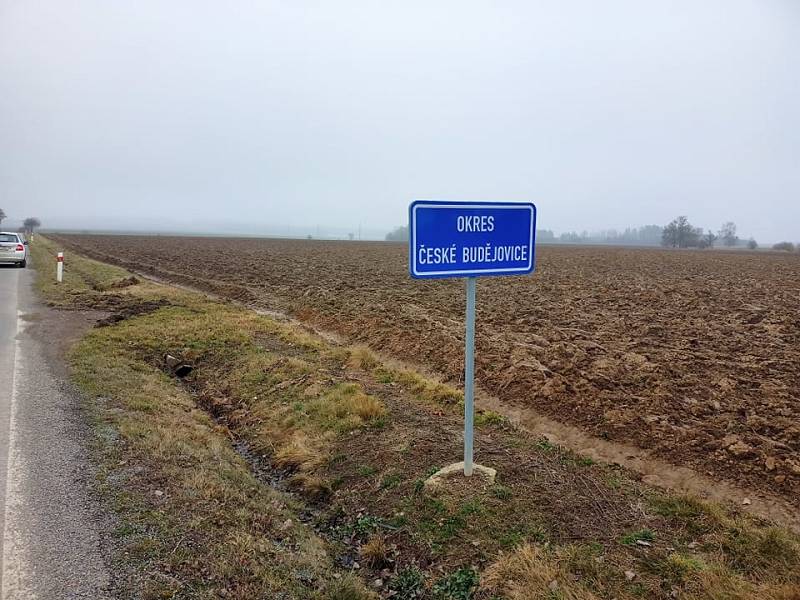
<point>286,467</point>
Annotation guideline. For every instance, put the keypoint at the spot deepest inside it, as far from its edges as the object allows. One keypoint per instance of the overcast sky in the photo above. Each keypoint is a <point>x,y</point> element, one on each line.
<point>297,113</point>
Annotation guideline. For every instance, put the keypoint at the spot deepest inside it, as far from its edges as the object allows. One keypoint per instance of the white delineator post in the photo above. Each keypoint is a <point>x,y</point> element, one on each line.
<point>60,267</point>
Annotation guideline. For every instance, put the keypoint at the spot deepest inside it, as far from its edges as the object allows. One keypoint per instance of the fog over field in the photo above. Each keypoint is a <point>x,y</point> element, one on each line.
<point>295,117</point>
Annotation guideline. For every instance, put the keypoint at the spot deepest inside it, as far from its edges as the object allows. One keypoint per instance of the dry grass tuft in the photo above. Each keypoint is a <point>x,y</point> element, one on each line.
<point>362,358</point>
<point>757,551</point>
<point>349,588</point>
<point>532,573</point>
<point>375,552</point>
<point>299,453</point>
<point>346,407</point>
<point>368,408</point>
<point>426,389</point>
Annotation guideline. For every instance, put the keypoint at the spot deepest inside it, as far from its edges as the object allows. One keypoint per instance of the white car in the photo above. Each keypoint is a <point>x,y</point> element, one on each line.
<point>13,249</point>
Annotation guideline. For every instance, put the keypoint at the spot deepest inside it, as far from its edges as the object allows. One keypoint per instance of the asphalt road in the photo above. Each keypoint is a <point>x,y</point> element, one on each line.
<point>53,532</point>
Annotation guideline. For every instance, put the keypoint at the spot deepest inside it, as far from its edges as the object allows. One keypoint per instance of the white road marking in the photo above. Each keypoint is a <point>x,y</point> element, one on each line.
<point>11,564</point>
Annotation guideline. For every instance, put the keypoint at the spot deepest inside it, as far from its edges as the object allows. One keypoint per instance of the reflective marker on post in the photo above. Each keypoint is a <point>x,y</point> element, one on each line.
<point>60,267</point>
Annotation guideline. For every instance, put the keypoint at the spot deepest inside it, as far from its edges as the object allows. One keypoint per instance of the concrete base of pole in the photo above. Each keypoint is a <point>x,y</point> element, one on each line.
<point>437,478</point>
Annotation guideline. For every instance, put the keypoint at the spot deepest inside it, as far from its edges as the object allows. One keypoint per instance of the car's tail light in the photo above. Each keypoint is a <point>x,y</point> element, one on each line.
<point>20,247</point>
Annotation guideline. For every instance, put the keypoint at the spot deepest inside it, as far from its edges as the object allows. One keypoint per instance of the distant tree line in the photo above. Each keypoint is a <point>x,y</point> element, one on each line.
<point>649,235</point>
<point>786,246</point>
<point>679,233</point>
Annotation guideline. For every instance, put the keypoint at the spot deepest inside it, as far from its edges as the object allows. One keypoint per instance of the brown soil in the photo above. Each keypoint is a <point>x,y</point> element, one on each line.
<point>693,356</point>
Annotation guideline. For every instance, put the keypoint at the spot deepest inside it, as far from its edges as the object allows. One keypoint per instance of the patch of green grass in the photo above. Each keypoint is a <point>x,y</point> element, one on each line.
<point>383,375</point>
<point>679,507</point>
<point>753,551</point>
<point>84,279</point>
<point>545,445</point>
<point>435,506</point>
<point>450,527</point>
<point>675,568</point>
<point>697,517</point>
<point>435,522</point>
<point>489,417</point>
<point>501,492</point>
<point>367,470</point>
<point>391,481</point>
<point>512,538</point>
<point>644,535</point>
<point>471,507</point>
<point>518,534</point>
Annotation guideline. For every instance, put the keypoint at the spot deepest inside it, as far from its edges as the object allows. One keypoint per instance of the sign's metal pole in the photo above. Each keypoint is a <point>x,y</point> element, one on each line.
<point>469,378</point>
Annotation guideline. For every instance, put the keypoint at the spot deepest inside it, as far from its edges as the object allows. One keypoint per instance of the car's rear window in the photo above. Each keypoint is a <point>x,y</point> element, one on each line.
<point>6,237</point>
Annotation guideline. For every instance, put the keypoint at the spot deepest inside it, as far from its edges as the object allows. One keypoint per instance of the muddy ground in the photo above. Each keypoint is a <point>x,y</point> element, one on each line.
<point>694,356</point>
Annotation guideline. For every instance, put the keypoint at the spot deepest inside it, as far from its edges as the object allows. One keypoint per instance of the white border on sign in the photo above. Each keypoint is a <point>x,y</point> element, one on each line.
<point>473,206</point>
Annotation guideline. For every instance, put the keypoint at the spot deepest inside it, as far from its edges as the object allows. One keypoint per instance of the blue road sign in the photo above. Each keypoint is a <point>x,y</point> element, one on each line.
<point>470,239</point>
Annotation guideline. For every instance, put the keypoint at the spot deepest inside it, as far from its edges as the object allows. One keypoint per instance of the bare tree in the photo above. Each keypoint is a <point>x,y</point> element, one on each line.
<point>681,234</point>
<point>707,241</point>
<point>30,224</point>
<point>728,234</point>
<point>2,215</point>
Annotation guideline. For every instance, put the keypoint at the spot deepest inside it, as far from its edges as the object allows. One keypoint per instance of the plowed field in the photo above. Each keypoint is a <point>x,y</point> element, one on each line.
<point>693,355</point>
